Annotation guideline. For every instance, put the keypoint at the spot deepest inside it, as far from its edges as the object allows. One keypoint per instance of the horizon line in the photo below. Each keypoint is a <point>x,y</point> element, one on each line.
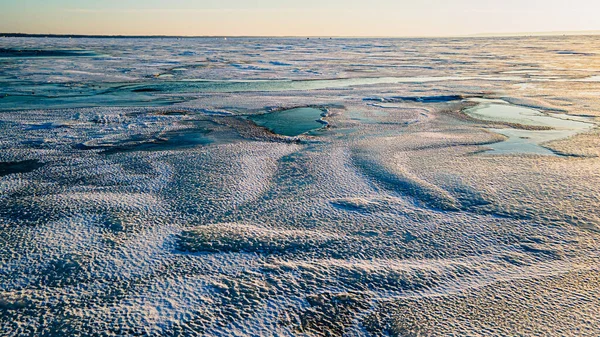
<point>476,35</point>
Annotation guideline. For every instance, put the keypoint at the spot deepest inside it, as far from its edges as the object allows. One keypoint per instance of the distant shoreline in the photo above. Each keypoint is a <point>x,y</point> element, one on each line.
<point>482,35</point>
<point>76,36</point>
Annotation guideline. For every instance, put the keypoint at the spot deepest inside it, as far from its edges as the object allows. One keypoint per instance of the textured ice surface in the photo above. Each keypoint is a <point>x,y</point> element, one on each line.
<point>138,198</point>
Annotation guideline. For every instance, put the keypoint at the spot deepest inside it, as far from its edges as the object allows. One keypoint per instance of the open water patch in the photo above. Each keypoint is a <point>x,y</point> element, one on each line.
<point>291,122</point>
<point>536,127</point>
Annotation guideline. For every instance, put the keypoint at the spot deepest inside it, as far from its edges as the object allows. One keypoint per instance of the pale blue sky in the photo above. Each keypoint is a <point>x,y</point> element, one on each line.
<point>306,17</point>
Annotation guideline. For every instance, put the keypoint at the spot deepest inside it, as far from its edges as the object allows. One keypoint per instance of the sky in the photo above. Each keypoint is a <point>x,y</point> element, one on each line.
<point>297,18</point>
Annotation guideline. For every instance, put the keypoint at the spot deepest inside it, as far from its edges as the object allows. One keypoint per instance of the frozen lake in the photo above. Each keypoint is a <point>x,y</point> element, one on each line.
<point>293,187</point>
